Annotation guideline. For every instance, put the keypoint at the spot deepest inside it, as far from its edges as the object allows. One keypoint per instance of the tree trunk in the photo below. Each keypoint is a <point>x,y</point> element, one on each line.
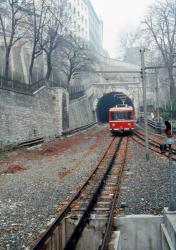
<point>49,66</point>
<point>31,65</point>
<point>171,85</point>
<point>6,71</point>
<point>68,80</point>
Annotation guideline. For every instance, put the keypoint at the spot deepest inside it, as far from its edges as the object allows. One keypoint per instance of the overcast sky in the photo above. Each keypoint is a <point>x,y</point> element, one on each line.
<point>119,16</point>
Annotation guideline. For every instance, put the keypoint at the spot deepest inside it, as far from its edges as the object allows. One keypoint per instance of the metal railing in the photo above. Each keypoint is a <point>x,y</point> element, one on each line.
<point>76,92</point>
<point>14,86</point>
<point>159,126</point>
<point>25,88</point>
<point>22,87</point>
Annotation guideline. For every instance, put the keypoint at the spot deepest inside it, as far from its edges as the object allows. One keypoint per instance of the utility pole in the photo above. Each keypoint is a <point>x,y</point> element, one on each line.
<point>143,76</point>
<point>138,101</point>
<point>170,141</point>
<point>172,203</point>
<point>157,94</point>
<point>171,110</point>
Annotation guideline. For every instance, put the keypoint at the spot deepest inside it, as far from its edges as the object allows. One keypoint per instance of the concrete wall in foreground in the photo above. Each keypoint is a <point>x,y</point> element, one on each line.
<point>140,232</point>
<point>24,117</point>
<point>80,113</point>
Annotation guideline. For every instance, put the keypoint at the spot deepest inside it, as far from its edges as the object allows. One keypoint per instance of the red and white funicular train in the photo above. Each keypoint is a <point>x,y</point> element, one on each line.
<point>121,118</point>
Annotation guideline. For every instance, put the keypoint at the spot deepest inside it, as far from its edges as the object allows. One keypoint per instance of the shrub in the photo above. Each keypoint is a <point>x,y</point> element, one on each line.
<point>165,111</point>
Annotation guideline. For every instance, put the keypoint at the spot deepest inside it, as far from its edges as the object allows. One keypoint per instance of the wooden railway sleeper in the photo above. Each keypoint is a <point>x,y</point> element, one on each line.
<point>75,236</point>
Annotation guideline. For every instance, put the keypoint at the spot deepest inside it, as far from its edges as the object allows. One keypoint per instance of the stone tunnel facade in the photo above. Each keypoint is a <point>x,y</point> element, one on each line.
<point>104,96</point>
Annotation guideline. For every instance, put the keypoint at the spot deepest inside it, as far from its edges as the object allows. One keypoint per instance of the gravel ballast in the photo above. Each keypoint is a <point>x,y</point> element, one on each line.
<point>34,182</point>
<point>145,184</point>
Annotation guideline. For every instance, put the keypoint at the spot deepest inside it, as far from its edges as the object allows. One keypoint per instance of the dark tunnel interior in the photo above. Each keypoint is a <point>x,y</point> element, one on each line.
<point>108,101</point>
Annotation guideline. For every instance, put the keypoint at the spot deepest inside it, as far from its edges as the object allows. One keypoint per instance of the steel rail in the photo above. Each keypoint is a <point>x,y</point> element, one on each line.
<point>144,145</point>
<point>106,238</point>
<point>76,130</point>
<point>75,236</point>
<point>151,141</point>
<point>41,140</point>
<point>113,71</point>
<point>154,145</point>
<point>140,136</point>
<point>48,233</point>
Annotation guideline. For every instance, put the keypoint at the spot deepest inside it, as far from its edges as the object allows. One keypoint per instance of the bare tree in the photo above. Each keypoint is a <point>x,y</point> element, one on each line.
<point>12,21</point>
<point>160,28</point>
<point>53,23</point>
<point>128,40</point>
<point>75,57</point>
<point>36,25</point>
<point>53,31</point>
<point>129,44</point>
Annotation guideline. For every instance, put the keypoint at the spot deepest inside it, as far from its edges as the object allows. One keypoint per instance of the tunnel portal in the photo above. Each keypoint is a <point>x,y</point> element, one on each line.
<point>108,101</point>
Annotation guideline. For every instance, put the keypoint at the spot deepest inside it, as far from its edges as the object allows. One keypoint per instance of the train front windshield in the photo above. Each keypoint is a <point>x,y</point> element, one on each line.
<point>121,116</point>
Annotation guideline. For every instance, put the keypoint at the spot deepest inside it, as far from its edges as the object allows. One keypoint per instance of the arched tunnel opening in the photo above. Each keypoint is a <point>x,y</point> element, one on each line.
<point>108,101</point>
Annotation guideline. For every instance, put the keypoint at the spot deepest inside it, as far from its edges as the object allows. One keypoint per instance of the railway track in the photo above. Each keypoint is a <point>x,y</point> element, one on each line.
<point>154,143</point>
<point>97,196</point>
<point>41,140</point>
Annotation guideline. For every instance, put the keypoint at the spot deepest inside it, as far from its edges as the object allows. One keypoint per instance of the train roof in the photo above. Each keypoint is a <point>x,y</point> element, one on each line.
<point>121,108</point>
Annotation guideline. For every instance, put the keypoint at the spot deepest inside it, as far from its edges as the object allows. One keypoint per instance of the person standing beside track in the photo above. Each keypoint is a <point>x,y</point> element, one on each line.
<point>168,129</point>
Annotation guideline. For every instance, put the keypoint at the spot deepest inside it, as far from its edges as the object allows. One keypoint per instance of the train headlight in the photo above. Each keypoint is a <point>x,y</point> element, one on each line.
<point>129,124</point>
<point>113,124</point>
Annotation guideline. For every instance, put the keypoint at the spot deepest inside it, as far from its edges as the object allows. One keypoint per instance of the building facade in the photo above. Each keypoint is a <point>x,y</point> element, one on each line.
<point>78,19</point>
<point>95,28</point>
<point>84,23</point>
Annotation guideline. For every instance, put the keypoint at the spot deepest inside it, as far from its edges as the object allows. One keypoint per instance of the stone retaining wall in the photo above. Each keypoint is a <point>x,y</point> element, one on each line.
<point>80,113</point>
<point>46,114</point>
<point>25,117</point>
